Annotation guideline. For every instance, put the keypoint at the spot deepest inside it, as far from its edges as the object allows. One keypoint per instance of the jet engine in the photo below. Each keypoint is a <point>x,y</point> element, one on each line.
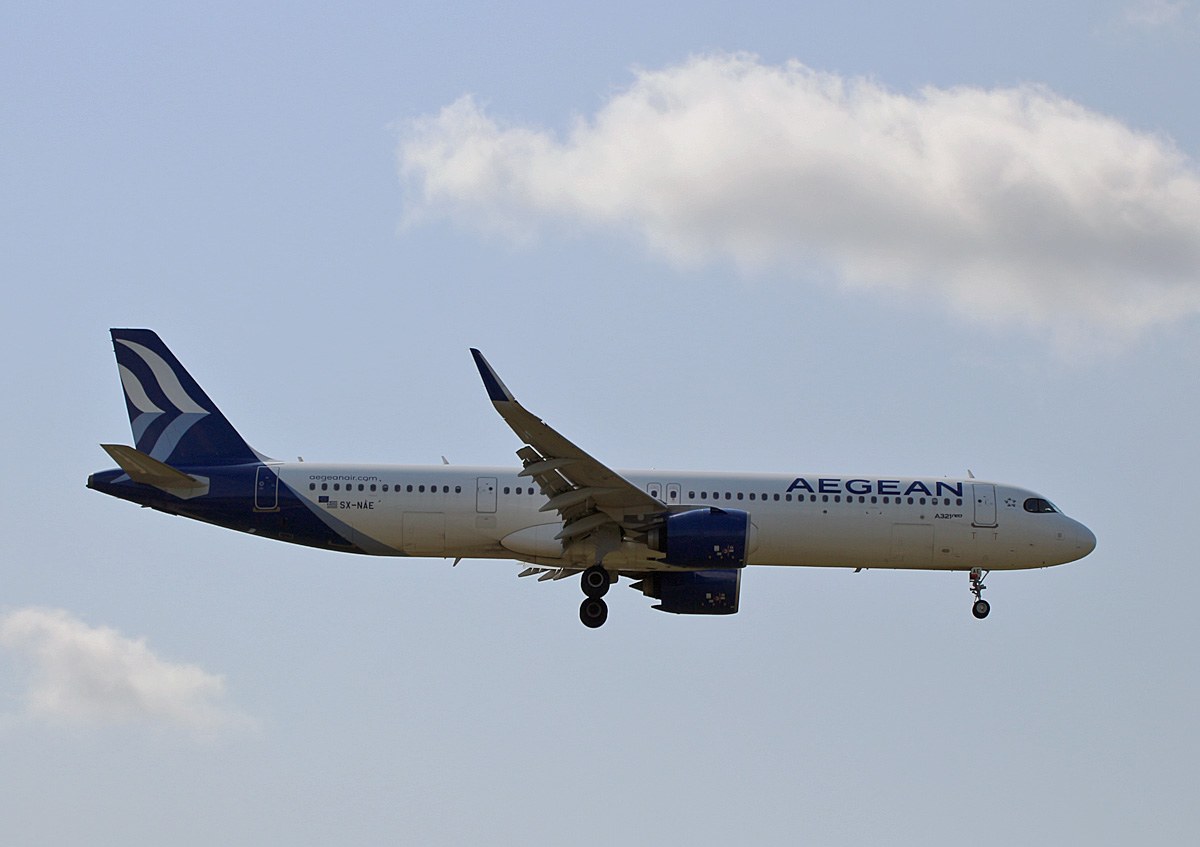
<point>713,592</point>
<point>697,538</point>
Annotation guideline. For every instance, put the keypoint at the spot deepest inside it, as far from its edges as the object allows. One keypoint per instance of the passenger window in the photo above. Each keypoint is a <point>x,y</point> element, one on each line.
<point>922,501</point>
<point>787,497</point>
<point>739,495</point>
<point>312,486</point>
<point>874,500</point>
<point>337,486</point>
<point>777,497</point>
<point>751,495</point>
<point>410,489</point>
<point>824,498</point>
<point>506,489</point>
<point>728,496</point>
<point>458,489</point>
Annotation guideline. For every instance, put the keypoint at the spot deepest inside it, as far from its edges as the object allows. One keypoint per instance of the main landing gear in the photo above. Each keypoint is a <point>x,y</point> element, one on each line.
<point>594,611</point>
<point>981,607</point>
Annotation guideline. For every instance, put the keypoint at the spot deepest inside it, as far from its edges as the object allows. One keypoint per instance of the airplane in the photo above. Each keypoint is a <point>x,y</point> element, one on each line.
<point>682,537</point>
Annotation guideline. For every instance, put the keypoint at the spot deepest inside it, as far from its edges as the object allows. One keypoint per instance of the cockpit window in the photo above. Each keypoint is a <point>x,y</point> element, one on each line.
<point>1039,506</point>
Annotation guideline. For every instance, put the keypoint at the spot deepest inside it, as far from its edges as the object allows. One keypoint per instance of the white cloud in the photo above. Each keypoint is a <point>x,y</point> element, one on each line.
<point>1154,14</point>
<point>1011,204</point>
<point>95,675</point>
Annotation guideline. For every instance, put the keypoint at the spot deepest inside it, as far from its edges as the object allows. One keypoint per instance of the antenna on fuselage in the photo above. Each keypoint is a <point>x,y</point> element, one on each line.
<point>969,474</point>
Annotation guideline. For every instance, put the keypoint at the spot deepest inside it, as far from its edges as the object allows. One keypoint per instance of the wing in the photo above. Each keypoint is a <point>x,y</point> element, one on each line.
<point>590,497</point>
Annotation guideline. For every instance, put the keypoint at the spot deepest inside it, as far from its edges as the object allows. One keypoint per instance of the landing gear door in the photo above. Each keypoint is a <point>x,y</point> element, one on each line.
<point>485,494</point>
<point>985,505</point>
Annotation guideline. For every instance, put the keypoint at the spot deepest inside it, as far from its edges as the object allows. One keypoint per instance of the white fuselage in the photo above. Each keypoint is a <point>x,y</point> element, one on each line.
<point>813,520</point>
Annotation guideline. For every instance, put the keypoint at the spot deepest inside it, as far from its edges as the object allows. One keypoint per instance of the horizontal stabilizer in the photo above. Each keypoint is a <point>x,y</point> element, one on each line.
<point>150,471</point>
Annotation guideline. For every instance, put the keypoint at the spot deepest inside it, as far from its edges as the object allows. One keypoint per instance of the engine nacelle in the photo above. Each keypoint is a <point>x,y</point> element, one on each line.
<point>712,592</point>
<point>717,538</point>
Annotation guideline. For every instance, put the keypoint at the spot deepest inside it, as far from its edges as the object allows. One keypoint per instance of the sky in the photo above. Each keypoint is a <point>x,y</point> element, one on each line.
<point>858,238</point>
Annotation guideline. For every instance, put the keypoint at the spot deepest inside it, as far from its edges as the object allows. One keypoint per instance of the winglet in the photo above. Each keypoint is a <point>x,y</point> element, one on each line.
<point>495,388</point>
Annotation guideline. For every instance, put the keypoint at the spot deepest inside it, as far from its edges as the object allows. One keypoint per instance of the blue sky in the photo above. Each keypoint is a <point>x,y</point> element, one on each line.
<point>795,281</point>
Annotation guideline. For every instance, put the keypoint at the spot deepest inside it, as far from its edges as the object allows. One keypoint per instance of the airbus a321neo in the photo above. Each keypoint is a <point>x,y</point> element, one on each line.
<point>683,537</point>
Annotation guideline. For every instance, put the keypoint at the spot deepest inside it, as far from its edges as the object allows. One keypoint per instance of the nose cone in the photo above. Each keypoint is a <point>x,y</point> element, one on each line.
<point>1085,540</point>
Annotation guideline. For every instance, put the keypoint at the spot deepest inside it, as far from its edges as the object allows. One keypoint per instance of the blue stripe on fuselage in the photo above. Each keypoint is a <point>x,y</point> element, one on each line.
<point>230,503</point>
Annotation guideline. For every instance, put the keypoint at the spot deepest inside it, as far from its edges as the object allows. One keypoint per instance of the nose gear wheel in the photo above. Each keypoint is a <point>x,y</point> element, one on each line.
<point>981,607</point>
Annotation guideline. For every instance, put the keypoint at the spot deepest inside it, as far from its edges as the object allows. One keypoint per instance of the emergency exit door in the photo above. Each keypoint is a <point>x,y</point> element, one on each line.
<point>485,494</point>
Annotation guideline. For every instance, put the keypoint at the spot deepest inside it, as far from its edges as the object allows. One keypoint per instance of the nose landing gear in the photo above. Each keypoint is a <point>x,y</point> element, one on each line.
<point>981,607</point>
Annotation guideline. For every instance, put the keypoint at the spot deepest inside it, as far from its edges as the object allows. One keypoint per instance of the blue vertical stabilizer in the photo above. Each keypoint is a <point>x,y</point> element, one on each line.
<point>172,418</point>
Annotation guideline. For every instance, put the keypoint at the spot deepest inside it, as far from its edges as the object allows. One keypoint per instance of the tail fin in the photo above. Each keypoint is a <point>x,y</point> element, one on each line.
<point>172,418</point>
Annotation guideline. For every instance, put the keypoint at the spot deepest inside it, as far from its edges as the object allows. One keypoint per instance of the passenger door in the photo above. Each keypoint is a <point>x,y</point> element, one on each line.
<point>266,490</point>
<point>985,505</point>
